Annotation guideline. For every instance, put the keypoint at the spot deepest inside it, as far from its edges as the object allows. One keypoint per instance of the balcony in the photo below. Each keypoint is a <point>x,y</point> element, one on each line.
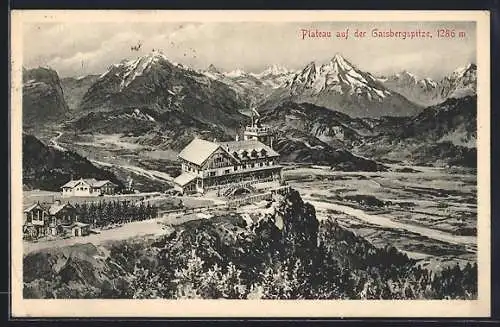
<point>257,130</point>
<point>221,171</point>
<point>36,222</point>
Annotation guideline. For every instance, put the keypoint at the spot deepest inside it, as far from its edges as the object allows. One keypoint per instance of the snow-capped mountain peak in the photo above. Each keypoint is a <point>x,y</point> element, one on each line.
<point>460,71</point>
<point>337,76</point>
<point>341,62</point>
<point>408,75</point>
<point>427,83</point>
<point>274,70</point>
<point>129,69</point>
<point>235,73</point>
<point>340,85</point>
<point>461,82</point>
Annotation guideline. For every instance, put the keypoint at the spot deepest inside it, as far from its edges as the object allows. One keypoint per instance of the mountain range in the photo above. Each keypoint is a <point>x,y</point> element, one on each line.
<point>153,82</point>
<point>427,92</point>
<point>331,113</point>
<point>340,86</point>
<point>252,87</point>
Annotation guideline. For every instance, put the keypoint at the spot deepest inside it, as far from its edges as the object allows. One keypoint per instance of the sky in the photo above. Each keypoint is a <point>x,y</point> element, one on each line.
<point>77,49</point>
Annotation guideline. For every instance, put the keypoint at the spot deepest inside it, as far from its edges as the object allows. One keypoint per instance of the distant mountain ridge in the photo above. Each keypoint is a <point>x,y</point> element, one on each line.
<point>427,92</point>
<point>251,87</point>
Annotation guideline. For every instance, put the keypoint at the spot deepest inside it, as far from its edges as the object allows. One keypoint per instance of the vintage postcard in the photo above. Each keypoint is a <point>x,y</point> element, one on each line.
<point>250,164</point>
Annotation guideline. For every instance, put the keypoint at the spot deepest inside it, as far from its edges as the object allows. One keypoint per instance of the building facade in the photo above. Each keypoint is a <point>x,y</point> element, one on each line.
<point>48,219</point>
<point>80,229</point>
<point>88,187</point>
<point>35,220</point>
<point>216,165</point>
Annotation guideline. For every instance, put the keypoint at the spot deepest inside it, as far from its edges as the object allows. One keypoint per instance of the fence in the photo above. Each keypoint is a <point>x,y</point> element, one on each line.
<point>233,203</point>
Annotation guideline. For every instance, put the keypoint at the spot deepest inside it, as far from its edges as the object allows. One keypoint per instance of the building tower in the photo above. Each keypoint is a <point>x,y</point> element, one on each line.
<point>258,131</point>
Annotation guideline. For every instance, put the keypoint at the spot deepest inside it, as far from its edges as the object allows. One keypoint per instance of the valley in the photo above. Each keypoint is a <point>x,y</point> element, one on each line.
<point>431,214</point>
<point>428,212</point>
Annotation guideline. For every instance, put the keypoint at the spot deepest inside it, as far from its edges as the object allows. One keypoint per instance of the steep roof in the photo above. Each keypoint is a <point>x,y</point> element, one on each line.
<point>33,206</point>
<point>184,179</point>
<point>56,207</point>
<point>249,146</point>
<point>71,183</point>
<point>198,151</point>
<point>89,181</point>
<point>101,183</point>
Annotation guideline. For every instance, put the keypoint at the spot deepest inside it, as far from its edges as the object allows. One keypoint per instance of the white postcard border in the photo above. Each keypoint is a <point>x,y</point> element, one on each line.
<point>252,308</point>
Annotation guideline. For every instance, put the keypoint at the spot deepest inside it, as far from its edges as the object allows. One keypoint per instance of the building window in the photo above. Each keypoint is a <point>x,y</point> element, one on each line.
<point>226,171</point>
<point>212,173</point>
<point>261,164</point>
<point>252,165</point>
<point>235,168</point>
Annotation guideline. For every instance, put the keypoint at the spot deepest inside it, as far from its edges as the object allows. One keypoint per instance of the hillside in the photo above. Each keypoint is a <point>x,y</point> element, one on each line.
<point>445,133</point>
<point>47,168</point>
<point>162,130</point>
<point>297,147</point>
<point>43,97</point>
<point>329,126</point>
<point>306,133</point>
<point>282,252</point>
<point>75,88</point>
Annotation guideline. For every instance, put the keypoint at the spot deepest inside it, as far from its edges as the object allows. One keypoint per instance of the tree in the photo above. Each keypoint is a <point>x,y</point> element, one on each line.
<point>188,278</point>
<point>232,285</point>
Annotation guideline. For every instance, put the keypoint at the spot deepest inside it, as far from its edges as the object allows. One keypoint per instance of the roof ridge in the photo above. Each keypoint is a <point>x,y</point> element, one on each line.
<point>198,150</point>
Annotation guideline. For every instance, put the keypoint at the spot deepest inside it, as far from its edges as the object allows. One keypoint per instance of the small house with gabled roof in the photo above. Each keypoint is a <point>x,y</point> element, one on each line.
<point>88,187</point>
